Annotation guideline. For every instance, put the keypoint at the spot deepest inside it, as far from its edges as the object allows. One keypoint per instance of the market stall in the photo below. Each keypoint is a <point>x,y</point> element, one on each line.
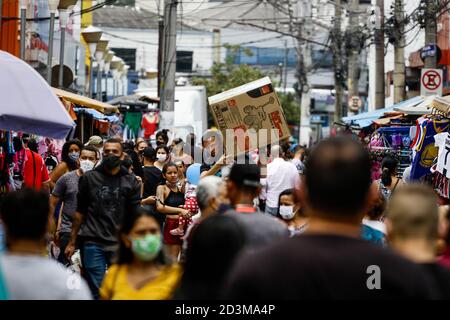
<point>140,115</point>
<point>92,117</point>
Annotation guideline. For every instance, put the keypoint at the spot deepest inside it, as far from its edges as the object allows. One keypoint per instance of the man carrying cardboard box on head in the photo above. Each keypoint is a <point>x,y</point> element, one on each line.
<point>249,117</point>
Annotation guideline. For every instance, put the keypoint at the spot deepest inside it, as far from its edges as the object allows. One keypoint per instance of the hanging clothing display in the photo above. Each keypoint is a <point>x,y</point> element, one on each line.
<point>441,185</point>
<point>393,141</point>
<point>102,126</point>
<point>133,121</point>
<point>150,124</point>
<point>443,160</point>
<point>424,145</point>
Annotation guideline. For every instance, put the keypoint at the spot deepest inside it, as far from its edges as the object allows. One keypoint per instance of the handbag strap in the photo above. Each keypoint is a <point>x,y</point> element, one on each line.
<point>34,170</point>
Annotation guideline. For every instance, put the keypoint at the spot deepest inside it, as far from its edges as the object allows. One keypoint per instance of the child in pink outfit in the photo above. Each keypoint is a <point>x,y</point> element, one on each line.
<point>190,205</point>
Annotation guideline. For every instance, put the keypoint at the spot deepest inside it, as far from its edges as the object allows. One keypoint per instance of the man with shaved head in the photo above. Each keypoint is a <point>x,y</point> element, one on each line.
<point>412,225</point>
<point>330,260</point>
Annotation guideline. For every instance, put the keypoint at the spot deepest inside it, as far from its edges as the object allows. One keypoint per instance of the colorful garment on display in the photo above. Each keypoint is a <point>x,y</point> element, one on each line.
<point>442,141</point>
<point>116,128</point>
<point>19,159</point>
<point>376,170</point>
<point>133,122</point>
<point>150,124</point>
<point>423,145</point>
<point>441,185</point>
<point>102,126</point>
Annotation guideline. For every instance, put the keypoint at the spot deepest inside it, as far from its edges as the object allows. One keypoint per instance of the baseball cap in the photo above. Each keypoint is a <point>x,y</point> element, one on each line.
<point>247,175</point>
<point>94,141</point>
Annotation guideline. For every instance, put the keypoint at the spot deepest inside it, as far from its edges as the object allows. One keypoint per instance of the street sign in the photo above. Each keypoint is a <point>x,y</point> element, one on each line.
<point>429,51</point>
<point>431,82</point>
<point>354,103</point>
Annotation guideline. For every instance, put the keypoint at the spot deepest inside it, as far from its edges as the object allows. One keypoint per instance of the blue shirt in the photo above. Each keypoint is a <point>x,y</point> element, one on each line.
<point>373,235</point>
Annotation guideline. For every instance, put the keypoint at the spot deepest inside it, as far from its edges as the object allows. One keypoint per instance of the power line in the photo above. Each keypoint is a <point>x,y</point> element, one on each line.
<point>187,45</point>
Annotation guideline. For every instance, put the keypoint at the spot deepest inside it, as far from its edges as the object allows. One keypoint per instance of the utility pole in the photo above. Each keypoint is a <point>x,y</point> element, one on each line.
<point>399,53</point>
<point>217,46</point>
<point>430,31</point>
<point>160,51</point>
<point>303,60</point>
<point>337,61</point>
<point>169,63</point>
<point>379,60</point>
<point>353,74</point>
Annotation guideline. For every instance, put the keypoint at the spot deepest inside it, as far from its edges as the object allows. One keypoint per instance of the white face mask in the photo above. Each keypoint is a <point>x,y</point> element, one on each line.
<point>86,165</point>
<point>161,157</point>
<point>287,212</point>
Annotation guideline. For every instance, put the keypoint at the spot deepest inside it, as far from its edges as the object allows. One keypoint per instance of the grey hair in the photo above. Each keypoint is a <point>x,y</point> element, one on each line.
<point>209,187</point>
<point>275,151</point>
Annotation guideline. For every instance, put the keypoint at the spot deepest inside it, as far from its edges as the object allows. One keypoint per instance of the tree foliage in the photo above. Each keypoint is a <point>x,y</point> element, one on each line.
<point>291,108</point>
<point>226,76</point>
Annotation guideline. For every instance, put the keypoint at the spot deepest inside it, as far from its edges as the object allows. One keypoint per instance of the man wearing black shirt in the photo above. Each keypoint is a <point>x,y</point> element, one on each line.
<point>330,261</point>
<point>412,225</point>
<point>152,179</point>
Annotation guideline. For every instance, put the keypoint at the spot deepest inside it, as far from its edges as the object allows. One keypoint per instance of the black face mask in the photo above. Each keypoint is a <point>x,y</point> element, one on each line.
<point>111,161</point>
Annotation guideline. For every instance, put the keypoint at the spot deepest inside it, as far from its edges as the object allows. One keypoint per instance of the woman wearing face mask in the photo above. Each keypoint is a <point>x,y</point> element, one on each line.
<point>291,213</point>
<point>162,156</point>
<point>141,272</point>
<point>162,138</point>
<point>170,199</point>
<point>69,160</point>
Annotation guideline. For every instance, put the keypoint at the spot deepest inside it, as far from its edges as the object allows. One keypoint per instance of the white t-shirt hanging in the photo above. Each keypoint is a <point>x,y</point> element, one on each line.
<point>442,141</point>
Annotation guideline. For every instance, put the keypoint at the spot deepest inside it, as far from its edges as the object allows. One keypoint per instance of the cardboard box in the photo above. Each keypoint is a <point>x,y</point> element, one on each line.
<point>254,105</point>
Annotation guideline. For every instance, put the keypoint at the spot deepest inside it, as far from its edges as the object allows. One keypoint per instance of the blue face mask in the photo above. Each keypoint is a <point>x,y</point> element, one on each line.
<point>74,156</point>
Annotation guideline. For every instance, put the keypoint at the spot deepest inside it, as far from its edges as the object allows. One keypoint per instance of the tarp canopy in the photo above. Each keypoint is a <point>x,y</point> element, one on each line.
<point>418,109</point>
<point>85,101</point>
<point>27,103</point>
<point>134,100</point>
<point>367,118</point>
<point>98,115</point>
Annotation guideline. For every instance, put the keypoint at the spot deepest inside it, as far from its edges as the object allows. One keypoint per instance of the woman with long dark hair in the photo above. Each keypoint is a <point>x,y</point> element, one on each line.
<point>142,272</point>
<point>70,153</point>
<point>162,137</point>
<point>170,202</point>
<point>389,180</point>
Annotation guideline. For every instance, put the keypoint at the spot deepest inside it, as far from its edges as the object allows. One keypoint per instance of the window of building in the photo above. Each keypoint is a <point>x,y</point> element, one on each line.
<point>128,56</point>
<point>123,3</point>
<point>184,61</point>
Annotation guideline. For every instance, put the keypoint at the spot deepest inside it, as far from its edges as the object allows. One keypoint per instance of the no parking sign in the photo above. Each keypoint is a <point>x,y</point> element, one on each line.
<point>431,82</point>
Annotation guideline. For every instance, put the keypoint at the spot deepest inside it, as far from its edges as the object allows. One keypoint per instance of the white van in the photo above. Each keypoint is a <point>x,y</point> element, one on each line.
<point>190,111</point>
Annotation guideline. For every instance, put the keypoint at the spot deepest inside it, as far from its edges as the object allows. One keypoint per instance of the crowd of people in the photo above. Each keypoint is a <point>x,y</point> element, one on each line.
<point>120,220</point>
